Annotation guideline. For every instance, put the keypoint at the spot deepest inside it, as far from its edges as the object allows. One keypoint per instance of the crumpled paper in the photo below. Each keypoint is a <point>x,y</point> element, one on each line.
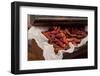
<point>48,51</point>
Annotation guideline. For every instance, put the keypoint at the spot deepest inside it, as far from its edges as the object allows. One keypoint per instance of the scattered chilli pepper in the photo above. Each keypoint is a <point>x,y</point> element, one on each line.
<point>60,38</point>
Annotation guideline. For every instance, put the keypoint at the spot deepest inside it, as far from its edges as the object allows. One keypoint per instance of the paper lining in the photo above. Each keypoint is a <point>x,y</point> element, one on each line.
<point>48,51</point>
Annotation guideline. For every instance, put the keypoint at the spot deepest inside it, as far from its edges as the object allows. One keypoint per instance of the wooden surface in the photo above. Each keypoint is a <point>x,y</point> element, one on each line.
<point>36,53</point>
<point>81,52</point>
